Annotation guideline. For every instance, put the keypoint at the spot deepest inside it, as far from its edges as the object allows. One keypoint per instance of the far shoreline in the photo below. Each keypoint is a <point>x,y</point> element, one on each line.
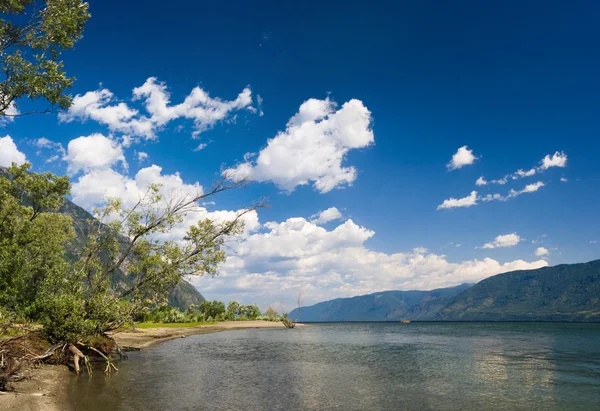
<point>140,338</point>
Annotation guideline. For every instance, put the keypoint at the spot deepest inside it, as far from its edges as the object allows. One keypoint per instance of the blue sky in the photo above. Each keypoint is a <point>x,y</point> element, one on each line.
<point>511,81</point>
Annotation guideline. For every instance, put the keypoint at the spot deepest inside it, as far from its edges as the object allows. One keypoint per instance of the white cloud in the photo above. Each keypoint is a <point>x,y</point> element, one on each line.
<point>93,188</point>
<point>556,160</point>
<point>542,251</point>
<point>205,111</point>
<point>93,152</point>
<point>522,173</point>
<point>481,181</point>
<point>506,240</point>
<point>463,157</point>
<point>9,114</point>
<point>326,216</point>
<point>593,241</point>
<point>283,258</point>
<point>563,179</point>
<point>468,201</point>
<point>529,188</point>
<point>57,148</point>
<point>313,147</point>
<point>201,146</point>
<point>9,152</point>
<point>142,156</point>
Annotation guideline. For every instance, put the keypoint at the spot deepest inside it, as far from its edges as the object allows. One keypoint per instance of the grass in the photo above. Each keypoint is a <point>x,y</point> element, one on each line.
<point>173,325</point>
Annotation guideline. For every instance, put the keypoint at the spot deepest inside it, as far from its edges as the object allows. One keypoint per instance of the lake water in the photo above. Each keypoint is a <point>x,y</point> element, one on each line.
<point>360,366</point>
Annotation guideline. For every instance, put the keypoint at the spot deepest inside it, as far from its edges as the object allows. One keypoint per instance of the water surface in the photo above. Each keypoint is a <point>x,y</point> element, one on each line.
<point>360,366</point>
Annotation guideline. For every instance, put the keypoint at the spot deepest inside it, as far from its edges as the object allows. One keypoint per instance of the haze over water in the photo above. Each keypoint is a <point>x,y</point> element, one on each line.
<point>361,366</point>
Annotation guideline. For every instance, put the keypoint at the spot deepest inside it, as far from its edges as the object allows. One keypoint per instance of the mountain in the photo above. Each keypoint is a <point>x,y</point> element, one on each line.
<point>382,306</point>
<point>567,292</point>
<point>183,295</point>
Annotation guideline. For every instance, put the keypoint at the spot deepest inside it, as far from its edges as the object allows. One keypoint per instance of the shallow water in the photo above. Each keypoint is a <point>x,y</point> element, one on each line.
<point>360,366</point>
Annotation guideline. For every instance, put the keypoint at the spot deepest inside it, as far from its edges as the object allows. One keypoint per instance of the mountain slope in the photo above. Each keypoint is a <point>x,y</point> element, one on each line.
<point>568,292</point>
<point>382,306</point>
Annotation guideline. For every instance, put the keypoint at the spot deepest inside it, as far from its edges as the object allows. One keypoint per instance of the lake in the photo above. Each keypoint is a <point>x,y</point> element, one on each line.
<point>360,366</point>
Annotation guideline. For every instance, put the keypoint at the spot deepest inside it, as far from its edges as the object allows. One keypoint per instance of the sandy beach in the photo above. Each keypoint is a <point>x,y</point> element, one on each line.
<point>146,337</point>
<point>46,389</point>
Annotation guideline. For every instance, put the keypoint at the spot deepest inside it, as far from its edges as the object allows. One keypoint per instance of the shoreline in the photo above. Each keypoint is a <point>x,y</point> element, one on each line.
<point>141,338</point>
<point>47,387</point>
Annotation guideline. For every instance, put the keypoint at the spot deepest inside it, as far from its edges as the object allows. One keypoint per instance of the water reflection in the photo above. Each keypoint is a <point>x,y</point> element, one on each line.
<point>360,366</point>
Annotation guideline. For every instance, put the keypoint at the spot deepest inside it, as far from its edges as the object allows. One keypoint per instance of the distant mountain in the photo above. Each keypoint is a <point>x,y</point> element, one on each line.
<point>568,292</point>
<point>382,306</point>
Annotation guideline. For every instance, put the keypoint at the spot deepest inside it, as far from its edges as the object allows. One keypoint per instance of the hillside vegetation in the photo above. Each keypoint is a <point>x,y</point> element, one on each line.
<point>567,292</point>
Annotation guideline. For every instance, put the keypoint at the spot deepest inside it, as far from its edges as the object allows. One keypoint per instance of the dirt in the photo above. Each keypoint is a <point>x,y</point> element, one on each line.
<point>44,390</point>
<point>146,337</point>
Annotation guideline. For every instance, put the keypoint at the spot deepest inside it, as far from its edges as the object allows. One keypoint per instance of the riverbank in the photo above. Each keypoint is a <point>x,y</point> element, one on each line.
<point>46,387</point>
<point>44,390</point>
<point>140,338</point>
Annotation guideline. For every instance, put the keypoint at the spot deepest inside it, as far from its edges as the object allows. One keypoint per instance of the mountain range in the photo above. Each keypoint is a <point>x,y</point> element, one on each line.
<point>567,292</point>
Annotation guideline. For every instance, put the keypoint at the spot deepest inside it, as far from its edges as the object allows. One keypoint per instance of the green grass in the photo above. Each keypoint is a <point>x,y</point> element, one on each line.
<point>173,325</point>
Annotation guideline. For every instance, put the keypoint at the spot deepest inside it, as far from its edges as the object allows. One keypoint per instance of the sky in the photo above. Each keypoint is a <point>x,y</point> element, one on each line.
<point>401,145</point>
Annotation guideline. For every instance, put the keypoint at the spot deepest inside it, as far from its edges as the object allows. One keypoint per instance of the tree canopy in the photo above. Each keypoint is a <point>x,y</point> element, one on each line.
<point>33,36</point>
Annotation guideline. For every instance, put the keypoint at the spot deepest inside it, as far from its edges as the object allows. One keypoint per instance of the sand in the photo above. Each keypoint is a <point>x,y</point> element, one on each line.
<point>147,337</point>
<point>46,390</point>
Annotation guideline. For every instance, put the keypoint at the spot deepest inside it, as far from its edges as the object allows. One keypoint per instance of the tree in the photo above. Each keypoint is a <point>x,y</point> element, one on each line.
<point>271,314</point>
<point>212,309</point>
<point>33,35</point>
<point>32,237</point>
<point>251,311</point>
<point>76,300</point>
<point>233,310</point>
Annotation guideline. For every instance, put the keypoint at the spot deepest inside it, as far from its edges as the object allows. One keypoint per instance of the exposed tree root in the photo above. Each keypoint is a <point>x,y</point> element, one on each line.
<point>32,349</point>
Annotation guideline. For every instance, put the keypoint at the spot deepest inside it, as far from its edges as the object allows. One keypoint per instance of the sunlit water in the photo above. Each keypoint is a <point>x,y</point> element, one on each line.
<point>366,366</point>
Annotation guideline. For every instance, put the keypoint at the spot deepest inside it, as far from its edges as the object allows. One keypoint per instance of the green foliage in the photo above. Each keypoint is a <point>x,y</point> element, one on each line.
<point>32,237</point>
<point>568,292</point>
<point>76,298</point>
<point>33,36</point>
<point>271,314</point>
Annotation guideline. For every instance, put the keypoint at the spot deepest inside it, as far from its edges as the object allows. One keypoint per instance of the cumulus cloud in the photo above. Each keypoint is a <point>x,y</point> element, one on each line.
<point>93,188</point>
<point>542,252</point>
<point>468,201</point>
<point>284,257</point>
<point>326,216</point>
<point>506,240</point>
<point>205,111</point>
<point>463,157</point>
<point>93,152</point>
<point>556,160</point>
<point>9,153</point>
<point>563,179</point>
<point>312,148</point>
